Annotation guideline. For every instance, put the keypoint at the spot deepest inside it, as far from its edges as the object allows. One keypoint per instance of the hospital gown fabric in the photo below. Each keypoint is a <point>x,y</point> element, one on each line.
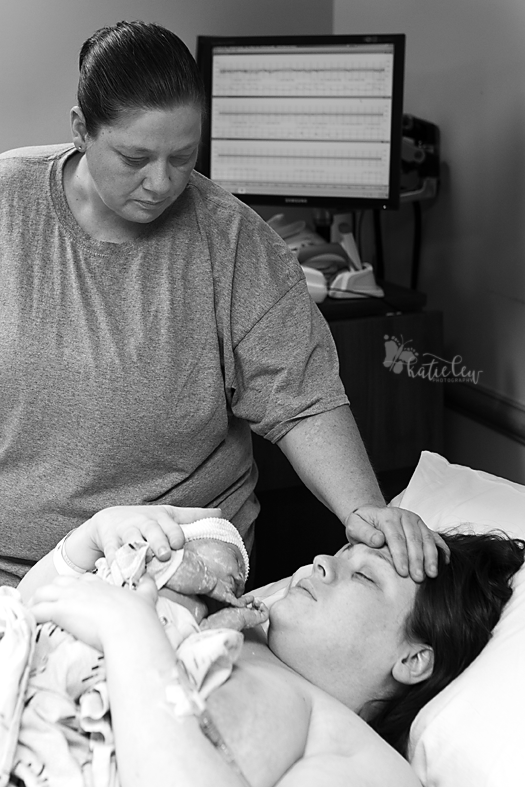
<point>54,705</point>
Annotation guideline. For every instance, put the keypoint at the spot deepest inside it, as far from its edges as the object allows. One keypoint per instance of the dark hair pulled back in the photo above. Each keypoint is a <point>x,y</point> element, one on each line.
<point>135,65</point>
<point>454,613</point>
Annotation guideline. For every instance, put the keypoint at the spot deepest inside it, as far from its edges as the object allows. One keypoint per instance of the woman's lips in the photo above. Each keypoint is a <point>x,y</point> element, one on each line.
<point>304,584</point>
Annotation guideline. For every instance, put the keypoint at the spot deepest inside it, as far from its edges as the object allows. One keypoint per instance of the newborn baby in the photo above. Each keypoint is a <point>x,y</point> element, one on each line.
<point>206,576</point>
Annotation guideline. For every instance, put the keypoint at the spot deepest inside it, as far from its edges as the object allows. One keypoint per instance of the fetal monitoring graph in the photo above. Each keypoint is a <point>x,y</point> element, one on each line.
<point>319,120</point>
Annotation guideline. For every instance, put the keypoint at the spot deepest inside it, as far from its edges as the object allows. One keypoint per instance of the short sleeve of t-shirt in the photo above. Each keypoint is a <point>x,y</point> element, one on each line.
<point>280,360</point>
<point>286,367</point>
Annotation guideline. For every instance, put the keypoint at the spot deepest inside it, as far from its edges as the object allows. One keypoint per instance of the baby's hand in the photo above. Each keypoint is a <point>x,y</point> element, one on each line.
<point>252,613</point>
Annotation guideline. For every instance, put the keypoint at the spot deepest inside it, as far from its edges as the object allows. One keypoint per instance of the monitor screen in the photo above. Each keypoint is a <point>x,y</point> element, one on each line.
<point>304,120</point>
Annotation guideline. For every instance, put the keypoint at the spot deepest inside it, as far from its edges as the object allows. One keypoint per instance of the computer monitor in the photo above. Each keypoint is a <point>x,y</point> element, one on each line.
<point>310,121</point>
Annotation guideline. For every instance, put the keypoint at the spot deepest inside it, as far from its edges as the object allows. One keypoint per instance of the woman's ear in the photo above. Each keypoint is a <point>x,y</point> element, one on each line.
<point>78,128</point>
<point>416,665</point>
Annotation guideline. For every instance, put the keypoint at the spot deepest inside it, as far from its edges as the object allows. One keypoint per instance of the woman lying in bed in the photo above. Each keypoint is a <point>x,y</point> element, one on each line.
<point>353,642</point>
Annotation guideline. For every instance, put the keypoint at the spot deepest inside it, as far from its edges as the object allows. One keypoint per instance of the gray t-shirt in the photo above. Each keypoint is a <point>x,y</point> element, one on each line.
<point>132,373</point>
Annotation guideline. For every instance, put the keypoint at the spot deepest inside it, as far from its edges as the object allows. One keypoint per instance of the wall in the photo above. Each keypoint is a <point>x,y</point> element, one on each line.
<point>465,71</point>
<point>40,40</point>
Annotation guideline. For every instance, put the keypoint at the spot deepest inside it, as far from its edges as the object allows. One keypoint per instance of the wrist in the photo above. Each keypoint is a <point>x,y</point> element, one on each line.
<point>63,565</point>
<point>346,519</point>
<point>366,507</point>
<point>81,549</point>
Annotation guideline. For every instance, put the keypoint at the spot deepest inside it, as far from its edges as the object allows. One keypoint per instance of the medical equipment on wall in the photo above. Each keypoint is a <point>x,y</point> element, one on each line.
<point>332,270</point>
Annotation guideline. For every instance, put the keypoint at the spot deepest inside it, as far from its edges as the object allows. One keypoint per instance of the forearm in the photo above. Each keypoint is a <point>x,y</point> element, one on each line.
<point>111,527</point>
<point>328,454</point>
<point>81,550</point>
<point>154,746</point>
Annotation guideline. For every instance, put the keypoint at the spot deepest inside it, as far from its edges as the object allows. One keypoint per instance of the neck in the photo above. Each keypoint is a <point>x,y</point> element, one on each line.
<point>357,689</point>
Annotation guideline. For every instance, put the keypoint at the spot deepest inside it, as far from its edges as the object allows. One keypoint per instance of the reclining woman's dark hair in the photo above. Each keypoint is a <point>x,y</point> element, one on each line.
<point>454,613</point>
<point>135,65</point>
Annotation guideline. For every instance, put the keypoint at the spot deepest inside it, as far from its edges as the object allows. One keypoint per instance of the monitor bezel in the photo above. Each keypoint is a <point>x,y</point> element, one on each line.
<point>205,47</point>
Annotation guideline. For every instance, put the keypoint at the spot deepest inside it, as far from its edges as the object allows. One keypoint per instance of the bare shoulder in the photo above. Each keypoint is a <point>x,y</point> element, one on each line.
<point>367,770</point>
<point>342,749</point>
<point>313,739</point>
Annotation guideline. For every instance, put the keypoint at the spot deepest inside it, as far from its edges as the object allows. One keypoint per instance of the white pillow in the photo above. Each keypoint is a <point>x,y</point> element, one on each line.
<point>472,733</point>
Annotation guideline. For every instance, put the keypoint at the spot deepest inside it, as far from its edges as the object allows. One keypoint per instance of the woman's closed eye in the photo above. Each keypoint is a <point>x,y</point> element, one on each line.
<point>177,161</point>
<point>134,162</point>
<point>364,576</point>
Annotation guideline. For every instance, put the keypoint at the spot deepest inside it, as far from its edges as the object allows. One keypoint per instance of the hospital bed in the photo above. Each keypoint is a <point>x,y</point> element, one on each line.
<point>472,734</point>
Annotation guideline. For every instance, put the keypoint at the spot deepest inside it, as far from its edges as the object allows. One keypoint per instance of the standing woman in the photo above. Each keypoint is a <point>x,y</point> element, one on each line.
<point>149,321</point>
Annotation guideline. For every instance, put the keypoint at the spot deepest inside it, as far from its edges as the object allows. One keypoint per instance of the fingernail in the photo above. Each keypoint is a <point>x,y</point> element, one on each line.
<point>377,539</point>
<point>163,552</point>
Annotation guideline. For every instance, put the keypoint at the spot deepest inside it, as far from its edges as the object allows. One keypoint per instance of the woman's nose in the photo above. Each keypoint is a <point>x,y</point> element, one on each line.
<point>157,179</point>
<point>324,567</point>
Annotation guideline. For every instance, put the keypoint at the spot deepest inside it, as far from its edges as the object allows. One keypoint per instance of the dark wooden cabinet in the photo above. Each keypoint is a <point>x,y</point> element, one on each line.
<point>398,410</point>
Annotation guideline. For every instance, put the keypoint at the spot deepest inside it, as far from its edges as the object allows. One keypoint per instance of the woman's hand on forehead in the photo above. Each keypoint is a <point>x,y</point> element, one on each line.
<point>413,546</point>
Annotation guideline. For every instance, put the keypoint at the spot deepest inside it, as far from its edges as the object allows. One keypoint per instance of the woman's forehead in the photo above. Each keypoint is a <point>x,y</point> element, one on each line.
<point>363,549</point>
<point>132,117</point>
